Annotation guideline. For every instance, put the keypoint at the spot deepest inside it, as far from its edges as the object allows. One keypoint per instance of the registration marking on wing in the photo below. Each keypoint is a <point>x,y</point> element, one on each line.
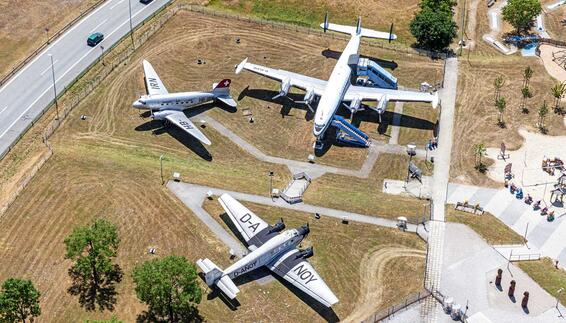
<point>185,125</point>
<point>153,83</point>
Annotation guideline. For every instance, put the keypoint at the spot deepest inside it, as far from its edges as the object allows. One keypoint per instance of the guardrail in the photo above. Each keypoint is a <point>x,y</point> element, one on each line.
<point>31,56</point>
<point>525,257</point>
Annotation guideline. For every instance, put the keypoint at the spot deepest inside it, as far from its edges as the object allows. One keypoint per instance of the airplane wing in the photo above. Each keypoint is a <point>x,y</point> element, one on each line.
<point>252,228</point>
<point>300,81</point>
<point>377,94</point>
<point>179,119</point>
<point>153,84</point>
<point>292,267</point>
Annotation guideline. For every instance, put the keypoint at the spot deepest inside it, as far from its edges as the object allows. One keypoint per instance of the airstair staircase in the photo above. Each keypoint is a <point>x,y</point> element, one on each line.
<point>376,75</point>
<point>348,134</point>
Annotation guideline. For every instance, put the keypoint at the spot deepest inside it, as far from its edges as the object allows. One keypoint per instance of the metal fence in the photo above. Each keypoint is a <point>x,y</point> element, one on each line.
<point>389,312</point>
<point>31,56</point>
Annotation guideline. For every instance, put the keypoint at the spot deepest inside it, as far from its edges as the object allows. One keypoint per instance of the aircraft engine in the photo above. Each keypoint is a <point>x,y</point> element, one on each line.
<point>285,86</point>
<point>305,253</point>
<point>309,96</point>
<point>160,115</point>
<point>355,105</point>
<point>278,226</point>
<point>381,105</point>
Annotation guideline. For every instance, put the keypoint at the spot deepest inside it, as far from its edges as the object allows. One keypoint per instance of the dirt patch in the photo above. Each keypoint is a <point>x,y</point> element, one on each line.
<point>373,275</point>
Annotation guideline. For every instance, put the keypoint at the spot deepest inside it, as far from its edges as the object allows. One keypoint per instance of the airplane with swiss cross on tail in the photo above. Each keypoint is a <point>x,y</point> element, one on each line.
<point>271,247</point>
<point>170,106</point>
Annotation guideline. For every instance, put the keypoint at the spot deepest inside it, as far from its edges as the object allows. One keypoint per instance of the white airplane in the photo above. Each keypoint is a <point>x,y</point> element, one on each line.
<point>169,106</point>
<point>271,248</point>
<point>338,88</point>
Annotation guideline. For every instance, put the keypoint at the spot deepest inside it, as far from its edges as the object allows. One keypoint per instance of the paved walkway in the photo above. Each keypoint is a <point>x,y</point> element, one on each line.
<point>439,186</point>
<point>395,123</point>
<point>314,170</point>
<point>469,268</point>
<point>547,237</point>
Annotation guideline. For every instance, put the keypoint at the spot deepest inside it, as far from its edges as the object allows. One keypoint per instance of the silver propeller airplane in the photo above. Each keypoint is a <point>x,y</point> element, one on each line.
<point>169,106</point>
<point>269,247</point>
<point>338,88</point>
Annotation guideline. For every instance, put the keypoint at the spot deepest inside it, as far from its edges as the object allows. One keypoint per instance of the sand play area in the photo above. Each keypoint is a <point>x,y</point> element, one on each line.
<point>527,166</point>
<point>546,55</point>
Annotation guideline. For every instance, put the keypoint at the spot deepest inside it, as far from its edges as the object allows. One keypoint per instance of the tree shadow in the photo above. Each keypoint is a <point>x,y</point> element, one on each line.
<point>91,295</point>
<point>188,314</point>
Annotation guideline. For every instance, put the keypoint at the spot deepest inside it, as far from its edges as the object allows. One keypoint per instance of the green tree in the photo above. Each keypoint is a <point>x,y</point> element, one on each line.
<point>19,300</point>
<point>479,152</point>
<point>500,105</point>
<point>438,5</point>
<point>542,112</point>
<point>169,287</point>
<point>498,85</point>
<point>92,248</point>
<point>526,92</point>
<point>520,13</point>
<point>433,29</point>
<point>558,91</point>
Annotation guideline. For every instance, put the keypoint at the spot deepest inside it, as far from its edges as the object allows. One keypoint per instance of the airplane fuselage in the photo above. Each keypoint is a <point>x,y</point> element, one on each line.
<point>267,252</point>
<point>336,88</point>
<point>173,101</point>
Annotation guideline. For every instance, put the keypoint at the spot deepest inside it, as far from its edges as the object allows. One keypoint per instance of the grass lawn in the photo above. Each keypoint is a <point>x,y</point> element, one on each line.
<point>493,230</point>
<point>547,276</point>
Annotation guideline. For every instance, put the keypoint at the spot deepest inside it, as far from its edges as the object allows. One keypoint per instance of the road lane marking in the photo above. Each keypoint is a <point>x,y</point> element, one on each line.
<point>100,24</point>
<point>46,50</point>
<point>47,69</point>
<point>6,107</point>
<point>117,4</point>
<point>63,75</point>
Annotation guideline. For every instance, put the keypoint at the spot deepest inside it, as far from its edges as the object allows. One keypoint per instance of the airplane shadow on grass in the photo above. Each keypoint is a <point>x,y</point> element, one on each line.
<point>263,273</point>
<point>368,115</point>
<point>159,127</point>
<point>391,65</point>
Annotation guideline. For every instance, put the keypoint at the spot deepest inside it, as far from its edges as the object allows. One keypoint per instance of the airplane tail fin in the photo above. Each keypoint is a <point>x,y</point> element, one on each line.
<point>221,91</point>
<point>214,276</point>
<point>357,30</point>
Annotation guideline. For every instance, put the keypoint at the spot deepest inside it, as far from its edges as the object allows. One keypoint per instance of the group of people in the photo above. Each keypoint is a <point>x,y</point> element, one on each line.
<point>518,192</point>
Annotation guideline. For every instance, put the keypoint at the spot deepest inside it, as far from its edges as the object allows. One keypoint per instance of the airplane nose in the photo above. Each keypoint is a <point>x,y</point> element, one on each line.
<point>138,105</point>
<point>317,130</point>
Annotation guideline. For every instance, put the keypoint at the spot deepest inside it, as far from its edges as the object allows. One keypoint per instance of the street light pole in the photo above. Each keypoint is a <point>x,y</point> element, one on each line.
<point>131,27</point>
<point>271,185</point>
<point>161,168</point>
<point>557,294</point>
<point>54,87</point>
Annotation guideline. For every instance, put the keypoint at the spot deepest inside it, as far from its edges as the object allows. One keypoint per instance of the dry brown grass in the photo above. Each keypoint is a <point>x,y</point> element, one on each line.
<point>343,255</point>
<point>553,20</point>
<point>476,117</point>
<point>23,23</point>
<point>108,165</point>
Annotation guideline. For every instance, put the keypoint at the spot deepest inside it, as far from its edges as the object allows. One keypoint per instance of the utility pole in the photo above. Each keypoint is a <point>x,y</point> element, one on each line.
<point>161,169</point>
<point>131,27</point>
<point>102,54</point>
<point>557,295</point>
<point>54,87</point>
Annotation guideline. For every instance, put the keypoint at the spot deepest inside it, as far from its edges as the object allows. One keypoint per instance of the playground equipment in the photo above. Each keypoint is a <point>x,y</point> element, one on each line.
<point>522,40</point>
<point>559,57</point>
<point>347,133</point>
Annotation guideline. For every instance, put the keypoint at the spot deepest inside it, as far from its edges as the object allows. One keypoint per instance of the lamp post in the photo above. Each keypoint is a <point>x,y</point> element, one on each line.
<point>47,35</point>
<point>558,294</point>
<point>54,87</point>
<point>102,54</point>
<point>270,174</point>
<point>131,28</point>
<point>411,151</point>
<point>161,168</point>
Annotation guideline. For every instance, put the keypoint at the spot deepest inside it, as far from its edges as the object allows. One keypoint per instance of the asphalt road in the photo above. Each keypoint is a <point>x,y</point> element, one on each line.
<point>26,94</point>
